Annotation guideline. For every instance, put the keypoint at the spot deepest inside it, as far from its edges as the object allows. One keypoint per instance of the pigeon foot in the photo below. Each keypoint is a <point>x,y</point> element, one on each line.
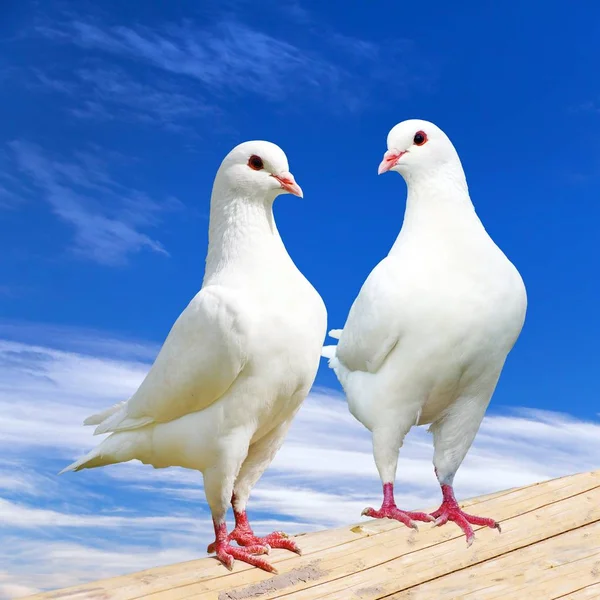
<point>451,511</point>
<point>393,512</point>
<point>228,554</point>
<point>389,510</point>
<point>278,539</point>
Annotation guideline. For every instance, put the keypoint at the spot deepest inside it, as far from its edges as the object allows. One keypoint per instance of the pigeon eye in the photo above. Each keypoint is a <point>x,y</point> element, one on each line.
<point>420,138</point>
<point>256,163</point>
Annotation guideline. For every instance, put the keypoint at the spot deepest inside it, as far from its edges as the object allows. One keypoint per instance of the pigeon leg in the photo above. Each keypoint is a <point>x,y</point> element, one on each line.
<point>260,455</point>
<point>218,487</point>
<point>391,511</point>
<point>451,511</point>
<point>386,445</point>
<point>453,435</point>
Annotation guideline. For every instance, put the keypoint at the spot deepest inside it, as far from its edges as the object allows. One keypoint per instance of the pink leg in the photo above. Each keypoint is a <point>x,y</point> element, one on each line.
<point>391,511</point>
<point>227,553</point>
<point>244,535</point>
<point>451,511</point>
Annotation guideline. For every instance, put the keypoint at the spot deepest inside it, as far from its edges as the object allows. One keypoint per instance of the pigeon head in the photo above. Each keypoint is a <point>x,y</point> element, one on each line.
<point>417,146</point>
<point>258,169</point>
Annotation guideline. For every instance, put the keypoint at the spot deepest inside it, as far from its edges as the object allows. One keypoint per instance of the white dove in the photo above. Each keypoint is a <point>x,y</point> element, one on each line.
<point>237,363</point>
<point>428,334</point>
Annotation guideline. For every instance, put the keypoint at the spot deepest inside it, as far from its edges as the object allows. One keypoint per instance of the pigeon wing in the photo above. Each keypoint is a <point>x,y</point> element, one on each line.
<point>201,358</point>
<point>373,327</point>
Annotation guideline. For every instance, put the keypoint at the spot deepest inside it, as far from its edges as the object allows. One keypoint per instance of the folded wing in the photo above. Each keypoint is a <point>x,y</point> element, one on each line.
<point>373,327</point>
<point>201,358</point>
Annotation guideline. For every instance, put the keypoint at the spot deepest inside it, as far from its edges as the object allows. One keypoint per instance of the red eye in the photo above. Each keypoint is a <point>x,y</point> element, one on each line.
<point>256,163</point>
<point>420,138</point>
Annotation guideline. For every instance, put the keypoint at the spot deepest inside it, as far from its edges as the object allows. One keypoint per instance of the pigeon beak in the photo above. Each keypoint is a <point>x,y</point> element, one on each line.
<point>288,183</point>
<point>390,160</point>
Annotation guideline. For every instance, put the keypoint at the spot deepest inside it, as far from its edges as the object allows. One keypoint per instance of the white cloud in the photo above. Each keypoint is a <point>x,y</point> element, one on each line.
<point>26,517</point>
<point>88,342</point>
<point>222,59</point>
<point>106,231</point>
<point>12,190</point>
<point>76,528</point>
<point>41,563</point>
<point>227,58</point>
<point>110,93</point>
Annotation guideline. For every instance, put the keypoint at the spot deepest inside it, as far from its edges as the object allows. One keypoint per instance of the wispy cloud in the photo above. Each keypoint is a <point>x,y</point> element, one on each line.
<point>12,191</point>
<point>106,231</point>
<point>60,531</point>
<point>7,198</point>
<point>228,60</point>
<point>86,341</point>
<point>110,93</point>
<point>589,106</point>
<point>295,10</point>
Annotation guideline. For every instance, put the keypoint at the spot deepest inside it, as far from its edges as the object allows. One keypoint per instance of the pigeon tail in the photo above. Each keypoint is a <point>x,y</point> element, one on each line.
<point>97,418</point>
<point>89,461</point>
<point>119,421</point>
<point>117,448</point>
<point>328,351</point>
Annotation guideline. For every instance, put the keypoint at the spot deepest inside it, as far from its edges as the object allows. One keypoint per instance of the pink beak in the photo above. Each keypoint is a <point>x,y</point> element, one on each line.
<point>390,160</point>
<point>288,183</point>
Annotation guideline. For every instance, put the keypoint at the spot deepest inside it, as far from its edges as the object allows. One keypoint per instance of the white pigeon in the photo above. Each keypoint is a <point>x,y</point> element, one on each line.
<point>237,363</point>
<point>428,334</point>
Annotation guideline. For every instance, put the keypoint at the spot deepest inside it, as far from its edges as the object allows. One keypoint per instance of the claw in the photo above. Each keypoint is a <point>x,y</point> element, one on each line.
<point>441,520</point>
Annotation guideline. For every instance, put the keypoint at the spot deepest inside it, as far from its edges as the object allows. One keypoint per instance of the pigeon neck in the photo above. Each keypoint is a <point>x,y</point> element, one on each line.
<point>242,232</point>
<point>438,197</point>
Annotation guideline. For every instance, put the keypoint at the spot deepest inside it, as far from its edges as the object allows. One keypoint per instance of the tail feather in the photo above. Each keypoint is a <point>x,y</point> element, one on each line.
<point>102,416</point>
<point>89,461</point>
<point>117,448</point>
<point>328,351</point>
<point>119,421</point>
<point>115,419</point>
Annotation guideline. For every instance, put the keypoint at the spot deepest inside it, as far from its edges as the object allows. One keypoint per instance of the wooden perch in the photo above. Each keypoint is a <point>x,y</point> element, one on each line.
<point>549,548</point>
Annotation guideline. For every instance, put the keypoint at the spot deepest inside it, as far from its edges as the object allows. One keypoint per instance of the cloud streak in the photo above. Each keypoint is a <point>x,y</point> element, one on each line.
<point>60,531</point>
<point>106,232</point>
<point>110,93</point>
<point>226,60</point>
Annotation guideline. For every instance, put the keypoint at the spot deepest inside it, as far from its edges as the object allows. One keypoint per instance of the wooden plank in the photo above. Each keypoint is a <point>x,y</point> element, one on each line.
<point>372,544</point>
<point>415,568</point>
<point>553,568</point>
<point>131,586</point>
<point>587,593</point>
<point>364,552</point>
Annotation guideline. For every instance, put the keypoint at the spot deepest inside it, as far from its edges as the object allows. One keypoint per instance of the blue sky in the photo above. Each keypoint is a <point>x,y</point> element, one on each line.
<point>115,117</point>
